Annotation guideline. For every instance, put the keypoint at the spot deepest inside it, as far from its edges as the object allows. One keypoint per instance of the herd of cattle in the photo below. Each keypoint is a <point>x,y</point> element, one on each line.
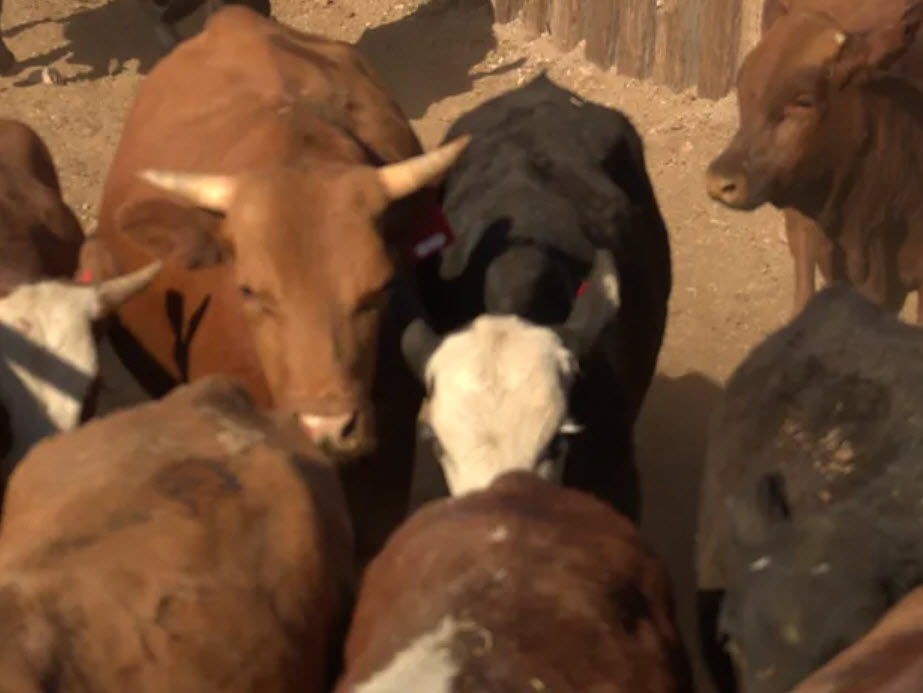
<point>331,327</point>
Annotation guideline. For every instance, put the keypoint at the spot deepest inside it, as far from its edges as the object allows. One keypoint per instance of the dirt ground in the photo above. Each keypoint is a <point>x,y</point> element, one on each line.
<point>732,274</point>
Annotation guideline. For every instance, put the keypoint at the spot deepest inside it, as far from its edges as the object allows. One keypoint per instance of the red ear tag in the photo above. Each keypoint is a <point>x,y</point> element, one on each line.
<point>581,289</point>
<point>434,235</point>
<point>86,277</point>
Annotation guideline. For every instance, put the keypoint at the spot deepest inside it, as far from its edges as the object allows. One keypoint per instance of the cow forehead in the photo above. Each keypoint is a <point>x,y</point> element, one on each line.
<point>293,226</point>
<point>49,308</point>
<point>500,355</point>
<point>500,394</point>
<point>795,45</point>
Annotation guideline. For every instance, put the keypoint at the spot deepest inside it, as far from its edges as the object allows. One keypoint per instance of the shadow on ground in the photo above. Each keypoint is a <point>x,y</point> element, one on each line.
<point>98,41</point>
<point>671,438</point>
<point>427,56</point>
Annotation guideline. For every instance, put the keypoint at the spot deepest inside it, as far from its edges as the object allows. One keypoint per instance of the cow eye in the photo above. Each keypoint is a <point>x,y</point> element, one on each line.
<point>803,101</point>
<point>375,300</point>
<point>247,291</point>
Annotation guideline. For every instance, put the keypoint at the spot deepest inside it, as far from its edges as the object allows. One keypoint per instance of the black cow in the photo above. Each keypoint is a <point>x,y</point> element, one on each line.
<point>547,180</point>
<point>811,501</point>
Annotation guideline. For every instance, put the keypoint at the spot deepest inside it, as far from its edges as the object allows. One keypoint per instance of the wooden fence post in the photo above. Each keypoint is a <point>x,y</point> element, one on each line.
<point>720,47</point>
<point>602,31</point>
<point>565,22</point>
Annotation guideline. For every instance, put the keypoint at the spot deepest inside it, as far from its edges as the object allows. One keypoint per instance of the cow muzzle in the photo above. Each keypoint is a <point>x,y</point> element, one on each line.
<point>342,436</point>
<point>731,189</point>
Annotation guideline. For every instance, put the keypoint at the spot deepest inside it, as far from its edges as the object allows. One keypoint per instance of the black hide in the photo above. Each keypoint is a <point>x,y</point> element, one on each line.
<point>811,500</point>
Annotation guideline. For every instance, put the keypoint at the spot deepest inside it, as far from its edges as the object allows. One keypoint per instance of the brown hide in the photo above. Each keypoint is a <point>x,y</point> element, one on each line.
<point>889,659</point>
<point>550,588</point>
<point>290,284</point>
<point>830,126</point>
<point>39,235</point>
<point>190,544</point>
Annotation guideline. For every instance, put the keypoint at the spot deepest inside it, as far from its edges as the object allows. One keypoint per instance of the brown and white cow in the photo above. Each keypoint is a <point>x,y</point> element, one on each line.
<point>829,130</point>
<point>48,350</point>
<point>190,544</point>
<point>519,585</point>
<point>278,182</point>
<point>889,659</point>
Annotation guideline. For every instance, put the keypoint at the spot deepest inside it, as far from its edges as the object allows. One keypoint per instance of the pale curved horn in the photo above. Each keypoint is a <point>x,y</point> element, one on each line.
<point>113,292</point>
<point>408,176</point>
<point>212,192</point>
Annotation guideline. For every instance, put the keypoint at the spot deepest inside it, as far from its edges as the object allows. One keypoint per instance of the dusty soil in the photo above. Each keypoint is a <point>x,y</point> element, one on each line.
<point>732,271</point>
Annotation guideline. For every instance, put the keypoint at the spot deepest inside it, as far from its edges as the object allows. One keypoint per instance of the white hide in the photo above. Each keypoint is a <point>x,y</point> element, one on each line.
<point>498,395</point>
<point>424,665</point>
<point>48,358</point>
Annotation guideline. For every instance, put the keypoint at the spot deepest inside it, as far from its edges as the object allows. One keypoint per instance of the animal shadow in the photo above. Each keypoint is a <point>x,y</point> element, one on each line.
<point>671,439</point>
<point>99,41</point>
<point>427,55</point>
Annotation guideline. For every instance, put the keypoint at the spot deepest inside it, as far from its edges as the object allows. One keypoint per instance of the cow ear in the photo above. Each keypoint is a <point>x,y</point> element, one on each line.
<point>772,10</point>
<point>418,344</point>
<point>188,236</point>
<point>864,52</point>
<point>594,309</point>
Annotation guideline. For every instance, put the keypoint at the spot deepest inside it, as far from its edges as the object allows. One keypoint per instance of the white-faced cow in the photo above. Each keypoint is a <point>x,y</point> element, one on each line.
<point>498,390</point>
<point>547,180</point>
<point>830,131</point>
<point>281,186</point>
<point>190,544</point>
<point>48,356</point>
<point>809,526</point>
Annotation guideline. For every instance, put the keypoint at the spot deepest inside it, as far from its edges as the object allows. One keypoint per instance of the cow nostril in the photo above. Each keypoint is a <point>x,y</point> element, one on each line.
<point>729,187</point>
<point>350,426</point>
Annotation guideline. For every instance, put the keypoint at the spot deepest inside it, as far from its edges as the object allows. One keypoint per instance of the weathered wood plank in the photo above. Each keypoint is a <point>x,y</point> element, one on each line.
<point>565,22</point>
<point>676,51</point>
<point>751,18</point>
<point>506,10</point>
<point>720,47</point>
<point>601,21</point>
<point>634,52</point>
<point>535,16</point>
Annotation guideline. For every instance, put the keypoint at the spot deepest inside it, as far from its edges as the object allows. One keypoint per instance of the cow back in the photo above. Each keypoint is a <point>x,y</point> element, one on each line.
<point>188,544</point>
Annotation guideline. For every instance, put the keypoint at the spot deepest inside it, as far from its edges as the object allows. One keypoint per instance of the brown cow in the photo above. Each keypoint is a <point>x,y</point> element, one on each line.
<point>190,544</point>
<point>280,263</point>
<point>39,235</point>
<point>519,586</point>
<point>829,130</point>
<point>889,659</point>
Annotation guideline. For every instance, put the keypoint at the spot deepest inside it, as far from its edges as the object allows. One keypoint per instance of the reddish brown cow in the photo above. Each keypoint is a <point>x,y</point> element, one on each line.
<point>190,544</point>
<point>889,659</point>
<point>829,130</point>
<point>520,586</point>
<point>39,235</point>
<point>280,262</point>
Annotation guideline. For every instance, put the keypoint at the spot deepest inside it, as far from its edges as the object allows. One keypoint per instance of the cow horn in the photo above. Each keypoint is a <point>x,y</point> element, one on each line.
<point>418,344</point>
<point>212,192</point>
<point>408,176</point>
<point>113,292</point>
<point>594,308</point>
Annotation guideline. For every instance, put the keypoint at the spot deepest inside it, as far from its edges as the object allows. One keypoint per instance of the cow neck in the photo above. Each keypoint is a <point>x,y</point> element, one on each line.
<point>878,185</point>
